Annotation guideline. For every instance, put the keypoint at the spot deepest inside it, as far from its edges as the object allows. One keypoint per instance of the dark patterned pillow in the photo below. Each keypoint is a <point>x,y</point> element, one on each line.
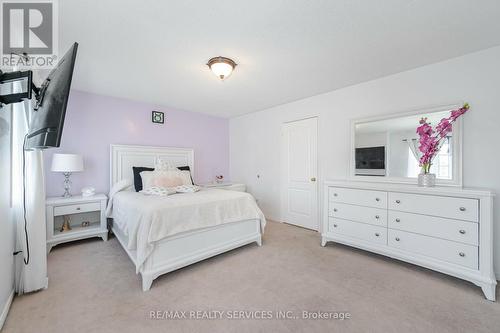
<point>186,168</point>
<point>137,177</point>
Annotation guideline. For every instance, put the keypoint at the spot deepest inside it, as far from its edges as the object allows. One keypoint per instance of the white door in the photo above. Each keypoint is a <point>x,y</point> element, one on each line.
<point>299,173</point>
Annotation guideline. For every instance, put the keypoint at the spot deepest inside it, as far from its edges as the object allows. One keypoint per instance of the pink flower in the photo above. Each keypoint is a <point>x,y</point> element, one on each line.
<point>430,139</point>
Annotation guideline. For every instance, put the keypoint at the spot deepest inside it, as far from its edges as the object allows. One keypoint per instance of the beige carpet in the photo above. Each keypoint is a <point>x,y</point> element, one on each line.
<point>93,288</point>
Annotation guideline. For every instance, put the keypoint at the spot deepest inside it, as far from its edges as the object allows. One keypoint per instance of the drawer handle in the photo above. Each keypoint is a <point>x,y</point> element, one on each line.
<point>77,208</point>
<point>377,199</point>
<point>462,209</point>
<point>461,254</point>
<point>335,226</point>
<point>377,217</point>
<point>462,232</point>
<point>335,209</point>
<point>397,239</point>
<point>398,201</point>
<point>335,194</point>
<point>377,234</point>
<point>398,220</point>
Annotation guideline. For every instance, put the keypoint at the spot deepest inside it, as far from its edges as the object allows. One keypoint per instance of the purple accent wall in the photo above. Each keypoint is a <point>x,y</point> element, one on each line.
<point>93,122</point>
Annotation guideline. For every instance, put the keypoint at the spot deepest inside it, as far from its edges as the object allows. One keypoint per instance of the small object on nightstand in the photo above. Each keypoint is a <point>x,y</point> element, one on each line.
<point>66,226</point>
<point>88,191</point>
<point>219,179</point>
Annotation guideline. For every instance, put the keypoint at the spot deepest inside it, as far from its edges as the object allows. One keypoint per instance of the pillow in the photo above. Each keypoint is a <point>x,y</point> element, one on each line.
<point>165,178</point>
<point>138,180</point>
<point>187,189</point>
<point>186,168</point>
<point>158,191</point>
<point>119,186</point>
<point>137,177</point>
<point>166,181</point>
<point>162,165</point>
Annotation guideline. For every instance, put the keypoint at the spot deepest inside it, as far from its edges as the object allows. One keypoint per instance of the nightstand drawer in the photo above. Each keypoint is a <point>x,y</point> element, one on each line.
<point>75,209</point>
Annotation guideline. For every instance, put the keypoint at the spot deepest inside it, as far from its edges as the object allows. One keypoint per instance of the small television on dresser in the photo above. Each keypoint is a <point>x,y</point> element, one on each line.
<point>370,161</point>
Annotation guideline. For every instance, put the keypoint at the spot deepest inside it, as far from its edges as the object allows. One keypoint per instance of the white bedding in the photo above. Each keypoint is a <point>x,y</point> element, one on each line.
<point>148,219</point>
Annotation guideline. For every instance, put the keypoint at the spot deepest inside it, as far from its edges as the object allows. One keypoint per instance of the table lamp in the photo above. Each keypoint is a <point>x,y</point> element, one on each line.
<point>67,163</point>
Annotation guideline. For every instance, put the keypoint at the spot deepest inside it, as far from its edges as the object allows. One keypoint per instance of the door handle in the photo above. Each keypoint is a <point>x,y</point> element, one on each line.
<point>313,179</point>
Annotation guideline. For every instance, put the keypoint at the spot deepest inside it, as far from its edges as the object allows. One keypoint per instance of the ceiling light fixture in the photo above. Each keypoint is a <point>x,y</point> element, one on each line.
<point>221,66</point>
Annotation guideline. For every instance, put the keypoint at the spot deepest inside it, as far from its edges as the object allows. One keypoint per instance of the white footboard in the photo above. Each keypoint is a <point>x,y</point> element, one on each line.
<point>182,250</point>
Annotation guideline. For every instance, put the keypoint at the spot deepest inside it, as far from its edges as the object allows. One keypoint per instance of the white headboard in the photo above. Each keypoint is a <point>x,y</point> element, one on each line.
<point>124,157</point>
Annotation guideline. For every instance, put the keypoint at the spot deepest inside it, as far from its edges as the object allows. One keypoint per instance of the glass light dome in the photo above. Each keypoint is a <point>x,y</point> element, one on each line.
<point>221,66</point>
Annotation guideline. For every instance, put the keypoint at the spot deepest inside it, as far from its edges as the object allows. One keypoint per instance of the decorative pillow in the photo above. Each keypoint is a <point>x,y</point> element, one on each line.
<point>187,189</point>
<point>162,165</point>
<point>137,177</point>
<point>186,168</point>
<point>158,191</point>
<point>162,178</point>
<point>166,181</point>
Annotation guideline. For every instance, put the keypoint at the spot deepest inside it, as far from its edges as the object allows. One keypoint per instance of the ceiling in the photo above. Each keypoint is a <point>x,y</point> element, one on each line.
<point>155,51</point>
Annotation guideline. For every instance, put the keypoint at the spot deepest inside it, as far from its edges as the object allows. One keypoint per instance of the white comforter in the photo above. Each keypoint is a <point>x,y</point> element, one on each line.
<point>148,219</point>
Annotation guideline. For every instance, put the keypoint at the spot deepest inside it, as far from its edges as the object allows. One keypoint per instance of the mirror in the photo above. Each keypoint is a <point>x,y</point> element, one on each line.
<point>386,148</point>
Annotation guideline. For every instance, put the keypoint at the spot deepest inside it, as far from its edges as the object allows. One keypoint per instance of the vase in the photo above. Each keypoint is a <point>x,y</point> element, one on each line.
<point>427,180</point>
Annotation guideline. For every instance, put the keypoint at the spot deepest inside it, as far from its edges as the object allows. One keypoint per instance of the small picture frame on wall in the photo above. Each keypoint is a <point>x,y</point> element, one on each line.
<point>158,117</point>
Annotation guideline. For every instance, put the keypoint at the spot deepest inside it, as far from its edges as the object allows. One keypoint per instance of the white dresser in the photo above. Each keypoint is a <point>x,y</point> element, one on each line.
<point>446,229</point>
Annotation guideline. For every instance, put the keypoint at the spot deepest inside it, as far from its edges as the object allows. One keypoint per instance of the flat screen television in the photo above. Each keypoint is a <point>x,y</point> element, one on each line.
<point>370,161</point>
<point>48,119</point>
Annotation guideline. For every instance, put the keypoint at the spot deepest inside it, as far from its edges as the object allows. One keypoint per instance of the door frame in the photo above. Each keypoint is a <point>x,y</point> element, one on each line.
<point>319,176</point>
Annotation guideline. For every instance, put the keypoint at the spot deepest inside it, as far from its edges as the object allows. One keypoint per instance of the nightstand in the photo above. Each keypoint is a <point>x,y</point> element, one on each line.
<point>86,217</point>
<point>226,186</point>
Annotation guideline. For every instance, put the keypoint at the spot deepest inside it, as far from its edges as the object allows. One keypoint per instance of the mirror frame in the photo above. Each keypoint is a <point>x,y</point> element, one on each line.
<point>457,147</point>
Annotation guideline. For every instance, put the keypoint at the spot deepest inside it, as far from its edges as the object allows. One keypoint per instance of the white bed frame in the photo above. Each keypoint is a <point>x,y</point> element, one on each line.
<point>183,249</point>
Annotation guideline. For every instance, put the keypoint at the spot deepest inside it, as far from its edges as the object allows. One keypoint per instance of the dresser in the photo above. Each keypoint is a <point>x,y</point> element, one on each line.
<point>446,229</point>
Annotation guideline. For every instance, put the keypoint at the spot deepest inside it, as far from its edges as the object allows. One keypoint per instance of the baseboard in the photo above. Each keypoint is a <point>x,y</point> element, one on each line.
<point>273,218</point>
<point>5,309</point>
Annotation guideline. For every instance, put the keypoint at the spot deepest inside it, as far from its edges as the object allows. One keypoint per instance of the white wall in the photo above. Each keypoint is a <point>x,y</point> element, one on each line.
<point>475,78</point>
<point>366,140</point>
<point>6,220</point>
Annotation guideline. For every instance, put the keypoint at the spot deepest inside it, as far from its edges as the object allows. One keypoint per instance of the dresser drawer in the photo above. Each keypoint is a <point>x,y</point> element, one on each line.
<point>362,231</point>
<point>457,253</point>
<point>377,199</point>
<point>375,216</point>
<point>75,209</point>
<point>449,207</point>
<point>454,230</point>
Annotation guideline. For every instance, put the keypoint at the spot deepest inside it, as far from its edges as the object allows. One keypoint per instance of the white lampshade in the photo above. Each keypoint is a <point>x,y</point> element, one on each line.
<point>67,163</point>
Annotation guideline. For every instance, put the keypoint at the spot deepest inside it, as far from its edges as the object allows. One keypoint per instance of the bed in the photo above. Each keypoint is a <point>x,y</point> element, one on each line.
<point>162,234</point>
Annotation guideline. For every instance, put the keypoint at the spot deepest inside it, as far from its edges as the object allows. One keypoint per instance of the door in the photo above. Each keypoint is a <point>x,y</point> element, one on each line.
<point>299,173</point>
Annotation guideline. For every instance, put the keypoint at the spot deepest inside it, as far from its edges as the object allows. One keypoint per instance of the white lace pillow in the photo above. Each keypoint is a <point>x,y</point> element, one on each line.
<point>187,189</point>
<point>171,178</point>
<point>158,191</point>
<point>162,165</point>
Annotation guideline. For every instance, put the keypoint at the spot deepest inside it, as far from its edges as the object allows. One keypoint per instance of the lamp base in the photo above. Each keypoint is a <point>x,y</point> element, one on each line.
<point>67,185</point>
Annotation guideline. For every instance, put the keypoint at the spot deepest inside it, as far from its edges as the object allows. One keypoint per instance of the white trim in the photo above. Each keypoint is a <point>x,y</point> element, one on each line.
<point>457,148</point>
<point>146,156</point>
<point>6,308</point>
